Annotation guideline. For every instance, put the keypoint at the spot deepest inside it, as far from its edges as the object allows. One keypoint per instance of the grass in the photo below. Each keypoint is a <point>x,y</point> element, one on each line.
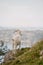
<point>28,57</point>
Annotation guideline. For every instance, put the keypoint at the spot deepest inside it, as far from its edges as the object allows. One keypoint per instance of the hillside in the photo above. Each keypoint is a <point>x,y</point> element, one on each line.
<point>30,57</point>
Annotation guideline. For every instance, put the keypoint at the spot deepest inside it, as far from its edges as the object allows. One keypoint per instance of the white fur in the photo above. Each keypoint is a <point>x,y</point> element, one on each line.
<point>16,40</point>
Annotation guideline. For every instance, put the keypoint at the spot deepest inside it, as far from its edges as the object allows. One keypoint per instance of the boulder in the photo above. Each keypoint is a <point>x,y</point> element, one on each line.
<point>41,52</point>
<point>9,56</point>
<point>41,57</point>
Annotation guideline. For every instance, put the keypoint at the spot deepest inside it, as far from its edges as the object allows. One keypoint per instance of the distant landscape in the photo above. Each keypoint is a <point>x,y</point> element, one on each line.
<point>28,38</point>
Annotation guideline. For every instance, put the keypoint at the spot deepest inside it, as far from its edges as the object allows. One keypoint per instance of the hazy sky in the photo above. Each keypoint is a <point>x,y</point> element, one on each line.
<point>18,13</point>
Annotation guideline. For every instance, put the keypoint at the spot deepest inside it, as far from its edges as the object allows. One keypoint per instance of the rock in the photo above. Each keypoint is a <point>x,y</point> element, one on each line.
<point>41,53</point>
<point>41,57</point>
<point>9,56</point>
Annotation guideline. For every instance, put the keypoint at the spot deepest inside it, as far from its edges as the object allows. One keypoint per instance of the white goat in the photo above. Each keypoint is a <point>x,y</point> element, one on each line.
<point>16,40</point>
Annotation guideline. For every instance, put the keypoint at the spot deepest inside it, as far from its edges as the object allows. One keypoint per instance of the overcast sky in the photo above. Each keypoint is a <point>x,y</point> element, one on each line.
<point>21,13</point>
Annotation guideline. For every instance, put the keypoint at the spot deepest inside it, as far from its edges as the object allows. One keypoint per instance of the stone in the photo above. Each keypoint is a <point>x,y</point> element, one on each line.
<point>9,56</point>
<point>41,53</point>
